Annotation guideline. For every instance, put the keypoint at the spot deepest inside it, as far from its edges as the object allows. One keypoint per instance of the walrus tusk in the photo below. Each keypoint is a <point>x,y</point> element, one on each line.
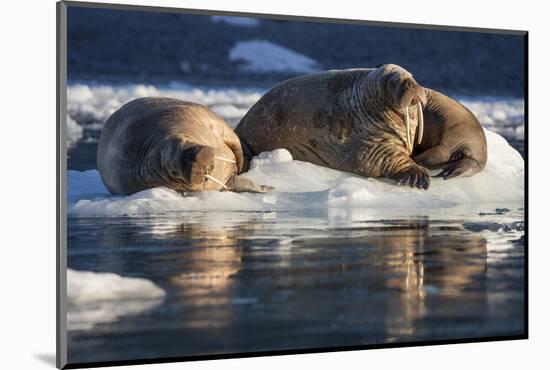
<point>408,125</point>
<point>420,122</point>
<point>225,159</point>
<point>216,181</point>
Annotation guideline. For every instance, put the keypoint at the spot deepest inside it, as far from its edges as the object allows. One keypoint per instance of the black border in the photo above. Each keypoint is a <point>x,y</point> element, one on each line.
<point>300,351</point>
<point>61,350</point>
<point>526,185</point>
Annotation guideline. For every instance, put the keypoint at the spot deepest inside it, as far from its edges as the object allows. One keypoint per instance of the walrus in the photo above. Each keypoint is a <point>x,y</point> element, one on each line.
<point>362,120</point>
<point>155,141</point>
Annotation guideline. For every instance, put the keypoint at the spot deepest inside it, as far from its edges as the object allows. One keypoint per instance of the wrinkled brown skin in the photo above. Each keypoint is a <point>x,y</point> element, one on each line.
<point>151,142</point>
<point>350,120</point>
<point>453,138</point>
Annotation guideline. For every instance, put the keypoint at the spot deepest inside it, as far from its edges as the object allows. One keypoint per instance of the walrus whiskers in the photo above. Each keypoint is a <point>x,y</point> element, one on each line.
<point>216,181</point>
<point>225,159</point>
<point>420,122</point>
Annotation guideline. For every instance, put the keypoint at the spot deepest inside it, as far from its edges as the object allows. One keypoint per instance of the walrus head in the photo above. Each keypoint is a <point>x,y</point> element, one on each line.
<point>402,93</point>
<point>203,168</point>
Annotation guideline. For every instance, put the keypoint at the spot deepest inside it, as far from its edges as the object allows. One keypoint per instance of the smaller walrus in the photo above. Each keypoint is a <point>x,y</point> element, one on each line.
<point>365,121</point>
<point>151,142</point>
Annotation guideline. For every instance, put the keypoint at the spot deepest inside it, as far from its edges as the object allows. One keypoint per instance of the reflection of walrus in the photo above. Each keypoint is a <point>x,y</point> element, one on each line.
<point>153,142</point>
<point>453,138</point>
<point>357,120</point>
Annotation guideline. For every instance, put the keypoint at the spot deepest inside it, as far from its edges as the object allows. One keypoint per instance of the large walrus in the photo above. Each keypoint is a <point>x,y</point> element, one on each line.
<point>365,121</point>
<point>151,142</point>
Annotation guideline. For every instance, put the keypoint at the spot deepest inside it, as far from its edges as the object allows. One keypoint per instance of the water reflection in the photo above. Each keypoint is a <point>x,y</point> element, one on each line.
<point>427,261</point>
<point>408,259</point>
<point>206,282</point>
<point>264,281</point>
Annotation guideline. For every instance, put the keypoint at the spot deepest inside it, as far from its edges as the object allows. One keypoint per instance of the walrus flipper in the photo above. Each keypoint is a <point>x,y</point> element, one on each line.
<point>459,163</point>
<point>414,176</point>
<point>241,184</point>
<point>432,158</point>
<point>462,167</point>
<point>394,162</point>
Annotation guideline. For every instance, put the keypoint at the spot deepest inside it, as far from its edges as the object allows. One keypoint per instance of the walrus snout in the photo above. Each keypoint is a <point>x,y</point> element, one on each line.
<point>411,95</point>
<point>197,163</point>
<point>402,86</point>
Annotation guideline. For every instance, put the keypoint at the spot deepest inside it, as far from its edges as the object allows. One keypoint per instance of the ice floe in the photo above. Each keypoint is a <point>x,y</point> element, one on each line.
<point>261,56</point>
<point>300,185</point>
<point>504,115</point>
<point>94,298</point>
<point>87,286</point>
<point>74,131</point>
<point>236,21</point>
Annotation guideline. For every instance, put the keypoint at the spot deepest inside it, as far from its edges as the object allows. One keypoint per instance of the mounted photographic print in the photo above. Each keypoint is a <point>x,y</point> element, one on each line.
<point>234,185</point>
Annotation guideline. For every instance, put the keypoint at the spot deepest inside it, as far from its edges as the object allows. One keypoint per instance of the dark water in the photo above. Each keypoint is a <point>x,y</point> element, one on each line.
<point>244,282</point>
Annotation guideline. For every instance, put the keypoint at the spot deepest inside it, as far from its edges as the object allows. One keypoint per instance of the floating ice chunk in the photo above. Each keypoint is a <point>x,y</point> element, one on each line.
<point>159,201</point>
<point>236,21</point>
<point>347,193</point>
<point>87,286</point>
<point>95,298</point>
<point>229,111</point>
<point>273,157</point>
<point>263,56</point>
<point>86,316</point>
<point>74,131</point>
<point>80,93</point>
<point>499,115</point>
<point>503,115</point>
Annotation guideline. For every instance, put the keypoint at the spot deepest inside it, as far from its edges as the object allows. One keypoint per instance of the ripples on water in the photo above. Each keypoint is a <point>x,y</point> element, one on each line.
<point>242,282</point>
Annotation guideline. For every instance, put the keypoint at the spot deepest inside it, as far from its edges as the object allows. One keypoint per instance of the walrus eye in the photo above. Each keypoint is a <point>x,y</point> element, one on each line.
<point>409,84</point>
<point>393,85</point>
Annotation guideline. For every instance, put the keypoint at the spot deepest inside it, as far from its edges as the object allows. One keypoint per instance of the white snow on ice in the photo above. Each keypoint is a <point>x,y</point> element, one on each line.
<point>236,21</point>
<point>91,105</point>
<point>261,56</point>
<point>95,298</point>
<point>502,115</point>
<point>74,131</point>
<point>300,185</point>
